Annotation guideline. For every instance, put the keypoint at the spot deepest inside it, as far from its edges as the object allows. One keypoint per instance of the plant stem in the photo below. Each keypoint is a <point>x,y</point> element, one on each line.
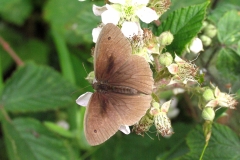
<point>67,71</point>
<point>11,52</point>
<point>204,149</point>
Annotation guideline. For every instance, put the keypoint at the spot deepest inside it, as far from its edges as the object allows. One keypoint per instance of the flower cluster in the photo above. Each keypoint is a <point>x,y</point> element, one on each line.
<point>126,14</point>
<point>156,115</point>
<point>183,71</point>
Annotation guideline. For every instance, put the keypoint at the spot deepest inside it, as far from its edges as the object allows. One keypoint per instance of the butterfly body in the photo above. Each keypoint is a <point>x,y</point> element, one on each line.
<point>105,87</point>
<point>123,88</point>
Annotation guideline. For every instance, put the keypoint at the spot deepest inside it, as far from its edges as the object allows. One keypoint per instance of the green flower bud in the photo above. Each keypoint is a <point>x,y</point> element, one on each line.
<point>165,59</point>
<point>90,77</point>
<point>205,23</point>
<point>165,38</point>
<point>208,95</point>
<point>210,31</point>
<point>208,114</point>
<point>206,40</point>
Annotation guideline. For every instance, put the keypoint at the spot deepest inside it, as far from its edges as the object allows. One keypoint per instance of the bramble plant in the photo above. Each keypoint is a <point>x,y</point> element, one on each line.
<point>193,49</point>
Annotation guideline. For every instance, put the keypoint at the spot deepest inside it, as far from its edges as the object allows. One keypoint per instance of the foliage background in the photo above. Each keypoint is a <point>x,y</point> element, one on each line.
<point>53,38</point>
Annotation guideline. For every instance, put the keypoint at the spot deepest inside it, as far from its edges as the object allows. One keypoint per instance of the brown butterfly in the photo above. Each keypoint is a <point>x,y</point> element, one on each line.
<point>123,88</point>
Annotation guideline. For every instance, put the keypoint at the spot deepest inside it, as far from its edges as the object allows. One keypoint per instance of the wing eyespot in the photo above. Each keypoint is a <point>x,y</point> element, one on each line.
<point>95,131</point>
<point>109,38</point>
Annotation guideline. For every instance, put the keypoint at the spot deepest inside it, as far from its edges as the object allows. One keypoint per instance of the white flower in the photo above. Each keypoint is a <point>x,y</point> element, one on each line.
<point>95,33</point>
<point>83,101</point>
<point>122,11</point>
<point>196,46</point>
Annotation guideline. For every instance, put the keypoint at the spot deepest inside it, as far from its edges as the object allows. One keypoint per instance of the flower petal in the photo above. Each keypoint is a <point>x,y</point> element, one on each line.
<point>147,15</point>
<point>129,29</point>
<point>173,68</point>
<point>84,99</point>
<point>125,129</point>
<point>95,33</point>
<point>139,2</point>
<point>118,1</point>
<point>196,46</point>
<point>99,10</point>
<point>110,15</point>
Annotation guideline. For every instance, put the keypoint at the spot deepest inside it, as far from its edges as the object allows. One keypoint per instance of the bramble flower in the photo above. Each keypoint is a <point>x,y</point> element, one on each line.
<point>183,71</point>
<point>222,99</point>
<point>144,124</point>
<point>161,121</point>
<point>120,12</point>
<point>83,101</point>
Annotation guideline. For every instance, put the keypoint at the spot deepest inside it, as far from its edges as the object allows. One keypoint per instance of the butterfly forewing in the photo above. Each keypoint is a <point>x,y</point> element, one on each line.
<point>111,51</point>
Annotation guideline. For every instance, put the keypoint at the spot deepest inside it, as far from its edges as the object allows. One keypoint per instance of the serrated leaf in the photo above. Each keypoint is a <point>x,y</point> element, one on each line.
<point>228,33</point>
<point>27,138</point>
<point>228,62</point>
<point>223,145</point>
<point>131,147</point>
<point>36,88</point>
<point>76,22</point>
<point>184,24</point>
<point>15,11</point>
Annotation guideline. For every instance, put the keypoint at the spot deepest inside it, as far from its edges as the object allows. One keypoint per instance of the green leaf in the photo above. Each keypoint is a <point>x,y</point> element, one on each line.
<point>15,11</point>
<point>27,138</point>
<point>36,88</point>
<point>228,33</point>
<point>77,19</point>
<point>224,144</point>
<point>131,147</point>
<point>221,8</point>
<point>228,62</point>
<point>184,24</point>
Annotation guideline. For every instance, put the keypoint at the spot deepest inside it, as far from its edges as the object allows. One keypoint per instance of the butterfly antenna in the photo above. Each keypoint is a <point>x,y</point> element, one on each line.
<point>84,68</point>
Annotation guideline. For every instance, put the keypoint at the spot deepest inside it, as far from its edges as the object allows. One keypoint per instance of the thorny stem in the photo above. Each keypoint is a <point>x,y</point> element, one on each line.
<point>157,64</point>
<point>11,52</point>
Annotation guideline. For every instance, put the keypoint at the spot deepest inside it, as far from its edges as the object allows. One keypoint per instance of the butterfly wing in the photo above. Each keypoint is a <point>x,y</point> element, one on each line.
<point>107,112</point>
<point>111,51</point>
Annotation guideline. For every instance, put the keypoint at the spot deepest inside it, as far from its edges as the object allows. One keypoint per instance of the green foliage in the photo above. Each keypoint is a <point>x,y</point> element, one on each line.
<point>224,144</point>
<point>27,138</point>
<point>36,88</point>
<point>184,24</point>
<point>15,11</point>
<point>76,24</point>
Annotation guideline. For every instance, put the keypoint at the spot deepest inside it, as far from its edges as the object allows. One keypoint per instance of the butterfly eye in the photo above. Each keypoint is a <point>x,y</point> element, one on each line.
<point>109,38</point>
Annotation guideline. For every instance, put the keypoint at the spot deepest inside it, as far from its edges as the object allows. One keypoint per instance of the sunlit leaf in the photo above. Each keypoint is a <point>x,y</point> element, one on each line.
<point>36,88</point>
<point>184,24</point>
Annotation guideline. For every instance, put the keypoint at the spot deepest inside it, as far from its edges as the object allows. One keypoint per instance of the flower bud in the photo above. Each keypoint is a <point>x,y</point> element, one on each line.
<point>165,38</point>
<point>210,31</point>
<point>165,59</point>
<point>208,114</point>
<point>205,23</point>
<point>90,77</point>
<point>208,95</point>
<point>206,40</point>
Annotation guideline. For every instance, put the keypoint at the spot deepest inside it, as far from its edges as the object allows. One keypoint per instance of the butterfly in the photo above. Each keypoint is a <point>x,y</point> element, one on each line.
<point>123,87</point>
